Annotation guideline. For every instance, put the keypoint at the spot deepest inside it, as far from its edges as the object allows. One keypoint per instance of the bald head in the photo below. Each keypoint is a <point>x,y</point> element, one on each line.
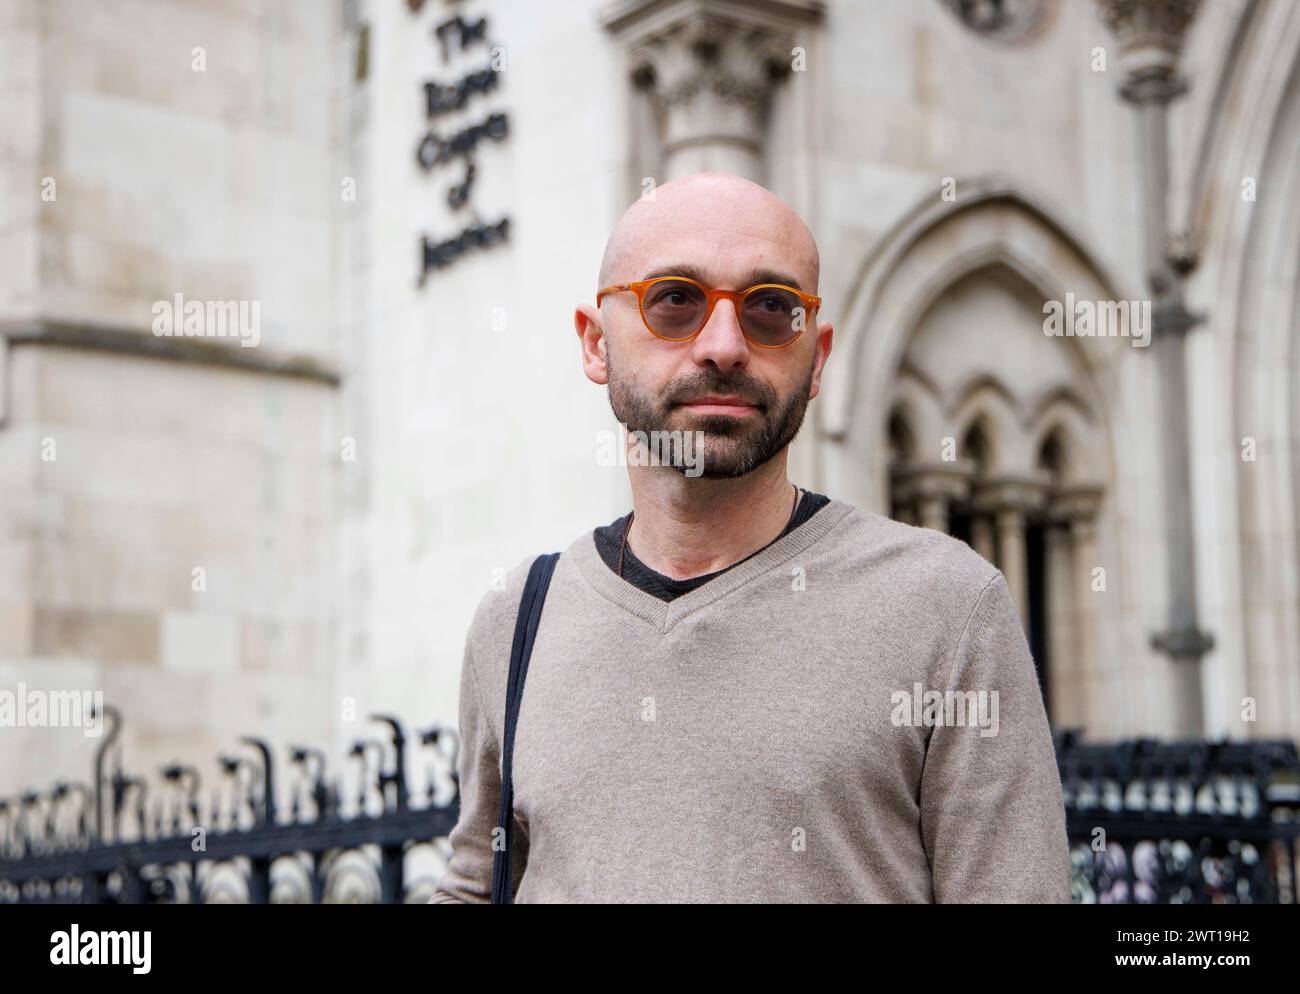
<point>720,224</point>
<point>728,381</point>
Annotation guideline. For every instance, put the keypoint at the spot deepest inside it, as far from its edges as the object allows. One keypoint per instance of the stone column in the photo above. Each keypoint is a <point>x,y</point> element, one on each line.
<point>1083,554</point>
<point>983,537</point>
<point>932,488</point>
<point>1009,501</point>
<point>1064,695</point>
<point>1150,34</point>
<point>710,68</point>
<point>934,513</point>
<point>1014,562</point>
<point>1077,508</point>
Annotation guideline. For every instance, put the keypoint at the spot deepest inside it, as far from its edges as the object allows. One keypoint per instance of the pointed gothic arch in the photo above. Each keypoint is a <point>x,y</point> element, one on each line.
<point>991,261</point>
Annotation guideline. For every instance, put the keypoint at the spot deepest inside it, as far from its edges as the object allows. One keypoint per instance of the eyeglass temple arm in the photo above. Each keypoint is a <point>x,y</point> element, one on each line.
<point>610,289</point>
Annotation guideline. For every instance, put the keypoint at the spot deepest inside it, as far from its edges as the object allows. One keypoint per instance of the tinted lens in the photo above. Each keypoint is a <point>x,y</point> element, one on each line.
<point>772,315</point>
<point>674,308</point>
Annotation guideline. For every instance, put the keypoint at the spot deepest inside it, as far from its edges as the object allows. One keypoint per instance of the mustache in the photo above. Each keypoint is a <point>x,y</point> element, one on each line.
<point>750,391</point>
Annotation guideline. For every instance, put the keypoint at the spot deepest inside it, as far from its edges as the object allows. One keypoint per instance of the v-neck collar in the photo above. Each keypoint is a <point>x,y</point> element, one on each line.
<point>663,615</point>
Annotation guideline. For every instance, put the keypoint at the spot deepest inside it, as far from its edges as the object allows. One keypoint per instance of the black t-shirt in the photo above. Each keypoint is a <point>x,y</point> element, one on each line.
<point>610,537</point>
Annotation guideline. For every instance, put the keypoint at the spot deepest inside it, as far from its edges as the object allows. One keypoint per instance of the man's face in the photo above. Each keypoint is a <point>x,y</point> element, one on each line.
<point>757,419</point>
<point>759,395</point>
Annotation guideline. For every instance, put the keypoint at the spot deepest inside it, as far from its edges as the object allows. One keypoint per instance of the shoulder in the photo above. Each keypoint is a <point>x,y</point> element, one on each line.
<point>917,594</point>
<point>910,562</point>
<point>492,629</point>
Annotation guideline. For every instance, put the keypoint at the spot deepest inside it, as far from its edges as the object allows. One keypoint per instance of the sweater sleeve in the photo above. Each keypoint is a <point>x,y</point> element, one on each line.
<point>468,878</point>
<point>992,816</point>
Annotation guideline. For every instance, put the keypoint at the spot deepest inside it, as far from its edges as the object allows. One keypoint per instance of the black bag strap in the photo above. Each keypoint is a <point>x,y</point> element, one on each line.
<point>530,613</point>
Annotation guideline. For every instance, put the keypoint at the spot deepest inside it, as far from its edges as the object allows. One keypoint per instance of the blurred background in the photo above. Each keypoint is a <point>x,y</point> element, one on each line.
<point>288,378</point>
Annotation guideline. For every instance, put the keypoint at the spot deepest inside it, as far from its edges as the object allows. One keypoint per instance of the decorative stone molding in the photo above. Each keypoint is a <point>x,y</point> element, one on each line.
<point>1077,503</point>
<point>1150,35</point>
<point>1141,23</point>
<point>949,481</point>
<point>1077,507</point>
<point>1010,501</point>
<point>1009,493</point>
<point>931,489</point>
<point>135,342</point>
<point>1186,643</point>
<point>709,68</point>
<point>1012,21</point>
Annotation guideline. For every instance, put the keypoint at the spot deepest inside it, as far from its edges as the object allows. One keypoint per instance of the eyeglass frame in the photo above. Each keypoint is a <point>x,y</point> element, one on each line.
<point>811,302</point>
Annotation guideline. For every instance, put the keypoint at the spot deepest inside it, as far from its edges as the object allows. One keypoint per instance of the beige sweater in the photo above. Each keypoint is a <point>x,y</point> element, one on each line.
<point>778,734</point>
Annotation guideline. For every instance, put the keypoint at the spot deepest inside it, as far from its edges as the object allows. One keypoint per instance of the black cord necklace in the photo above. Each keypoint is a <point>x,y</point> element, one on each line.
<point>622,547</point>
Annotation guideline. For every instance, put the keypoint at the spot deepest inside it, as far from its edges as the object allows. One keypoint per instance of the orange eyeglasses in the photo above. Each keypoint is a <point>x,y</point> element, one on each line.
<point>676,309</point>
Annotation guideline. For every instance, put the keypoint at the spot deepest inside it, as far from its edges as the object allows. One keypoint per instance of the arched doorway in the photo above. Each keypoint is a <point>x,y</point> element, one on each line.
<point>955,411</point>
<point>992,441</point>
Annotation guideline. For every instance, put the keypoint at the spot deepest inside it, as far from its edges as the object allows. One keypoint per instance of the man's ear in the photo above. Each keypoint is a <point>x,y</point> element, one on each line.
<point>825,332</point>
<point>586,321</point>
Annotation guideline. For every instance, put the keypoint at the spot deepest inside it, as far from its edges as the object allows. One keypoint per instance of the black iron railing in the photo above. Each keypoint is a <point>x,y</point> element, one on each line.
<point>1182,822</point>
<point>112,843</point>
<point>1148,822</point>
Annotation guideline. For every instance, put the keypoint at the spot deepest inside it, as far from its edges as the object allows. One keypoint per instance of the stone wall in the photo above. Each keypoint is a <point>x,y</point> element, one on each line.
<point>353,484</point>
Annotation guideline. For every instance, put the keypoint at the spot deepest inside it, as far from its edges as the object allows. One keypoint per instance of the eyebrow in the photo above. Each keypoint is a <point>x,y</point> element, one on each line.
<point>752,278</point>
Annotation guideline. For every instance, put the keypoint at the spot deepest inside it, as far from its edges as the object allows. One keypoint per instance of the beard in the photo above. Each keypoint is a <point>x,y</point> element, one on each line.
<point>733,446</point>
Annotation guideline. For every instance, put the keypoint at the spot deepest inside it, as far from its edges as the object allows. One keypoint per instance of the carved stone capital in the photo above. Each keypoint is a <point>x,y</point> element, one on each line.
<point>1183,644</point>
<point>706,54</point>
<point>1020,494</point>
<point>1150,35</point>
<point>710,68</point>
<point>1077,508</point>
<point>944,481</point>
<point>1172,316</point>
<point>1076,504</point>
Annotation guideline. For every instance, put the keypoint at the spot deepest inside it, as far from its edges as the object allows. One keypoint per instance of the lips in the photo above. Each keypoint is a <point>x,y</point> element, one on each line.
<point>718,404</point>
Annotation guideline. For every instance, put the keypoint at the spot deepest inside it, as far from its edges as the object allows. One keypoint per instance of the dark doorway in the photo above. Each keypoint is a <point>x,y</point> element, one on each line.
<point>1036,623</point>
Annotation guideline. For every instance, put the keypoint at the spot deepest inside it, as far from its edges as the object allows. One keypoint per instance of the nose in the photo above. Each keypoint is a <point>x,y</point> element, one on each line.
<point>721,341</point>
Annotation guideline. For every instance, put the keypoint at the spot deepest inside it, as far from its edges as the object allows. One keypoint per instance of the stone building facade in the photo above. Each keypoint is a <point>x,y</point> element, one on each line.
<point>287,536</point>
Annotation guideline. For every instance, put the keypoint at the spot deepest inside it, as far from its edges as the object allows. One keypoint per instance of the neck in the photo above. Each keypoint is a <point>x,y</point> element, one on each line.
<point>684,527</point>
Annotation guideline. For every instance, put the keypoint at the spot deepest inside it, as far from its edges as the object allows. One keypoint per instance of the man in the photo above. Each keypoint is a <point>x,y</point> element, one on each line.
<point>743,691</point>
